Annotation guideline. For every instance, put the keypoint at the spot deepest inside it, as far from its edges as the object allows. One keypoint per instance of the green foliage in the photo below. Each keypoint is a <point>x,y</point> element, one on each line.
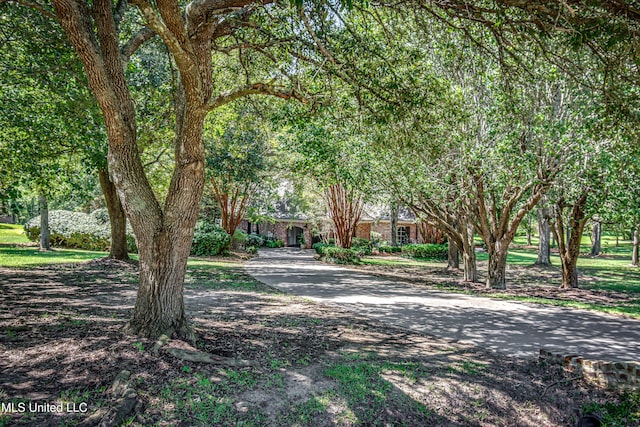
<point>76,230</point>
<point>320,246</point>
<point>341,255</point>
<point>209,239</point>
<point>389,249</point>
<point>427,251</point>
<point>254,240</point>
<point>277,243</point>
<point>362,246</point>
<point>618,413</point>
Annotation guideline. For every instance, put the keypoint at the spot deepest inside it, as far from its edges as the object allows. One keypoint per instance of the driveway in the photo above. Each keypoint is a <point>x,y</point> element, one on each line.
<point>517,329</point>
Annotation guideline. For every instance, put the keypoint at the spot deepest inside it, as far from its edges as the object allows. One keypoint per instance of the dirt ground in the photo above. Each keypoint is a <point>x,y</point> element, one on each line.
<point>280,361</point>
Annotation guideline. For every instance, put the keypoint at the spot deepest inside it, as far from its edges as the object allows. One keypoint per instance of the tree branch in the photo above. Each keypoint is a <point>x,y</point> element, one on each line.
<point>255,89</point>
<point>135,42</point>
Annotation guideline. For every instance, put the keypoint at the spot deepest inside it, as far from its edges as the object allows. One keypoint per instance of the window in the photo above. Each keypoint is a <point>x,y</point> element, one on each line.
<point>402,236</point>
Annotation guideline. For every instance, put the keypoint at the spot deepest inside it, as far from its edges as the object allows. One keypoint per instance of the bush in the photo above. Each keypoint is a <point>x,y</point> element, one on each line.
<point>254,240</point>
<point>251,250</point>
<point>277,243</point>
<point>429,251</point>
<point>341,255</point>
<point>320,246</point>
<point>209,239</point>
<point>74,230</point>
<point>389,249</point>
<point>362,246</point>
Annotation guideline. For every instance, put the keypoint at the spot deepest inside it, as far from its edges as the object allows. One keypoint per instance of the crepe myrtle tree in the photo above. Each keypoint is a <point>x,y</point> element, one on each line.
<point>196,35</point>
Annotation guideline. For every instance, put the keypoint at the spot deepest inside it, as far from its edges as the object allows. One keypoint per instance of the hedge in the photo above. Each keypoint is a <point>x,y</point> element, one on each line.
<point>389,249</point>
<point>341,255</point>
<point>209,239</point>
<point>429,251</point>
<point>78,230</point>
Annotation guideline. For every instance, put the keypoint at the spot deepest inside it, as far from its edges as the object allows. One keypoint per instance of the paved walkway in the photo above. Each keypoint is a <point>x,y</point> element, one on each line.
<point>517,329</point>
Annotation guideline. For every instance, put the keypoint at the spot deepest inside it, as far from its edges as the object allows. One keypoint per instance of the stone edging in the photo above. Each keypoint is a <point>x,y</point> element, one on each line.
<point>605,374</point>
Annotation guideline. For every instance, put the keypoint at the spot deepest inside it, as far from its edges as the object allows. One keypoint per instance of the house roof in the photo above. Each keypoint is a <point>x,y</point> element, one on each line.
<point>383,213</point>
<point>282,209</point>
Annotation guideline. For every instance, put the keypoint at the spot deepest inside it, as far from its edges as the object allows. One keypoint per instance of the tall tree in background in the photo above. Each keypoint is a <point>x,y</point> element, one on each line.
<point>238,161</point>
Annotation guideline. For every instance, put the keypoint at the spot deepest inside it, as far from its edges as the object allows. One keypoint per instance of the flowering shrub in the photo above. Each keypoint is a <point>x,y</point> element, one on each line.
<point>78,230</point>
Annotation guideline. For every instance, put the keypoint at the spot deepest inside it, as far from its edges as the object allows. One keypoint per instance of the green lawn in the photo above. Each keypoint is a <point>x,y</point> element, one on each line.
<point>19,257</point>
<point>12,233</point>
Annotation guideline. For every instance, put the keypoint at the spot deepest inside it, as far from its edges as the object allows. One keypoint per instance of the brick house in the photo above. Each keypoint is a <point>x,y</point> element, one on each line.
<point>408,229</point>
<point>286,223</point>
<point>296,228</point>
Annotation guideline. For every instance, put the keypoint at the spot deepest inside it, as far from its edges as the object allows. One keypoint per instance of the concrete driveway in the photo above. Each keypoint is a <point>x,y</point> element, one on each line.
<point>517,329</point>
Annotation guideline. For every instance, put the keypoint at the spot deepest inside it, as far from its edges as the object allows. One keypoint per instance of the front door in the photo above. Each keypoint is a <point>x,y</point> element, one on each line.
<point>293,236</point>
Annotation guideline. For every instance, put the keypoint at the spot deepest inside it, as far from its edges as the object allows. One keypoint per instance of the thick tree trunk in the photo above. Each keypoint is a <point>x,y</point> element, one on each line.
<point>394,223</point>
<point>117,217</point>
<point>453,258</point>
<point>496,278</point>
<point>569,272</point>
<point>636,249</point>
<point>45,243</point>
<point>596,237</point>
<point>544,231</point>
<point>159,306</point>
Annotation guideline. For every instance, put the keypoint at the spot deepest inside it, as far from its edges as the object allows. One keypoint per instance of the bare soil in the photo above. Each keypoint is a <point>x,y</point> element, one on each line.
<point>61,341</point>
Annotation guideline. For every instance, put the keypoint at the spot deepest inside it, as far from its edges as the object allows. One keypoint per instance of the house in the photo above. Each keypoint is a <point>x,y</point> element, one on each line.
<point>408,229</point>
<point>286,223</point>
<point>297,228</point>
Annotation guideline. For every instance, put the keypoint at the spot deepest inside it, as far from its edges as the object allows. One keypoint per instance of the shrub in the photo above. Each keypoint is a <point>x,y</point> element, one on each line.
<point>429,251</point>
<point>341,255</point>
<point>254,240</point>
<point>209,239</point>
<point>251,250</point>
<point>320,246</point>
<point>277,243</point>
<point>73,230</point>
<point>389,249</point>
<point>362,246</point>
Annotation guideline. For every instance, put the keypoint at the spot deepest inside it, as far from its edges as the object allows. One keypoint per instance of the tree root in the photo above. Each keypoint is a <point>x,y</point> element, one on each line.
<point>201,357</point>
<point>547,388</point>
<point>125,400</point>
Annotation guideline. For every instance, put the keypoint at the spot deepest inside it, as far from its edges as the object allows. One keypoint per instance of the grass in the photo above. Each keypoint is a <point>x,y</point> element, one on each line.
<point>621,413</point>
<point>22,257</point>
<point>12,233</point>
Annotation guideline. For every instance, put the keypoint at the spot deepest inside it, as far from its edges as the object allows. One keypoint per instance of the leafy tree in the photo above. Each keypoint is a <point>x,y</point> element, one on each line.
<point>239,159</point>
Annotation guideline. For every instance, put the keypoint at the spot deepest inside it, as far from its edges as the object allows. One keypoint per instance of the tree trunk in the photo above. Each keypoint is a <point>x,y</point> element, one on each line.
<point>45,243</point>
<point>496,278</point>
<point>569,248</point>
<point>469,265</point>
<point>636,249</point>
<point>544,231</point>
<point>394,223</point>
<point>117,217</point>
<point>345,210</point>
<point>469,254</point>
<point>159,306</point>
<point>596,236</point>
<point>569,272</point>
<point>453,258</point>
